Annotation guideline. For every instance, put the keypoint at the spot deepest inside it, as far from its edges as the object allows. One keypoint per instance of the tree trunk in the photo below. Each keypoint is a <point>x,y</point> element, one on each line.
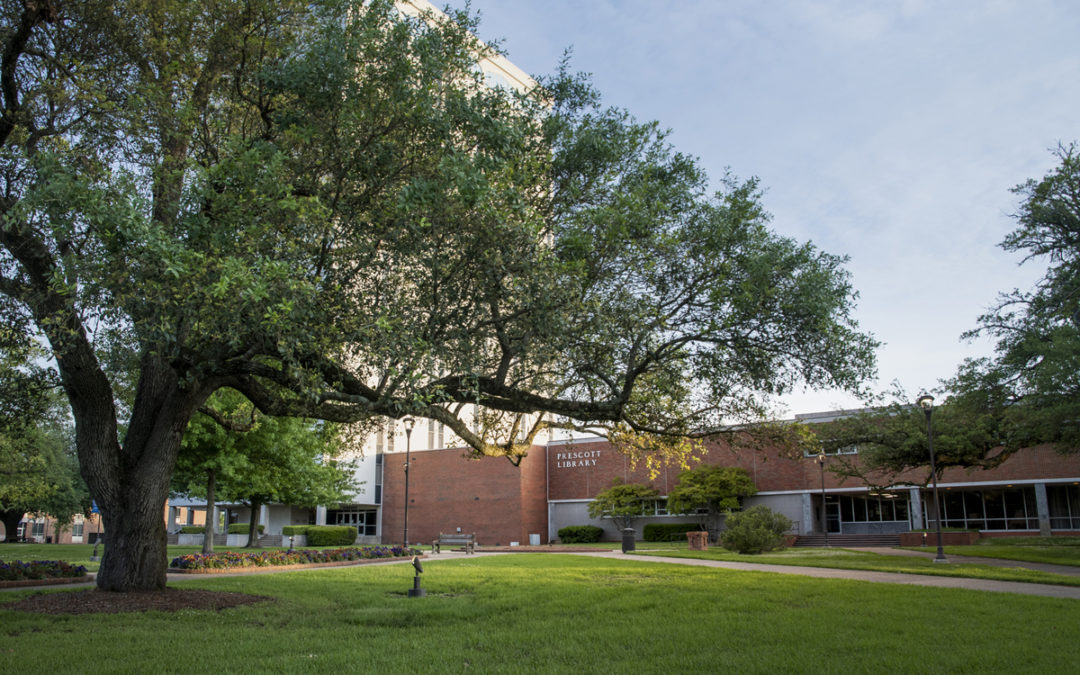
<point>211,521</point>
<point>253,530</point>
<point>135,557</point>
<point>11,520</point>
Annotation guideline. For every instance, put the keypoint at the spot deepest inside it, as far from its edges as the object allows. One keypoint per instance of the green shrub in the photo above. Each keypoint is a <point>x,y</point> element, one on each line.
<point>290,530</point>
<point>755,530</point>
<point>669,531</point>
<point>241,528</point>
<point>193,529</point>
<point>330,535</point>
<point>580,534</point>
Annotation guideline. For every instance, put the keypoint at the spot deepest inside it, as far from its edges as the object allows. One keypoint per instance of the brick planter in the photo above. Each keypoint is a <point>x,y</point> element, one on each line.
<point>699,541</point>
<point>947,538</point>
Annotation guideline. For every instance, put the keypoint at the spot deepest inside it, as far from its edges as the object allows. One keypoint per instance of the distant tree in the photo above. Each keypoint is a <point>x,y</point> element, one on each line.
<point>1032,383</point>
<point>1028,393</point>
<point>622,502</point>
<point>715,489</point>
<point>262,460</point>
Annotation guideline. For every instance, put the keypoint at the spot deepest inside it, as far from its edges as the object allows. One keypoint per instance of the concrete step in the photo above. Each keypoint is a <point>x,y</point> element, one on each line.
<point>849,540</point>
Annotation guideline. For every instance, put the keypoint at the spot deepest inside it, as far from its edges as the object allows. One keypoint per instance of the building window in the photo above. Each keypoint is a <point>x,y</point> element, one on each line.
<point>1064,503</point>
<point>77,527</point>
<point>363,520</point>
<point>431,434</point>
<point>998,509</point>
<point>845,450</point>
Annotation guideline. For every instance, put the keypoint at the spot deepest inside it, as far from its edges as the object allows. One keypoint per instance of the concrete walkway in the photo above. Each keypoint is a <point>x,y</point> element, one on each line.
<point>1022,588</point>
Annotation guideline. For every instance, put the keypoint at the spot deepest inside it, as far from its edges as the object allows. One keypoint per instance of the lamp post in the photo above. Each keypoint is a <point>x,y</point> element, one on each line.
<point>926,402</point>
<point>408,422</point>
<point>824,512</point>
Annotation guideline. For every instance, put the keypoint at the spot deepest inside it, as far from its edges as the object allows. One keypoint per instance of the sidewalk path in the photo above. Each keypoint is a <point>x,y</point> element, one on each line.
<point>1022,588</point>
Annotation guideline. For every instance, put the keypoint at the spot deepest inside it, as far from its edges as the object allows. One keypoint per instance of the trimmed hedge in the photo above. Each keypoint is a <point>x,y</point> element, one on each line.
<point>580,534</point>
<point>669,531</point>
<point>242,528</point>
<point>235,528</point>
<point>290,530</point>
<point>329,535</point>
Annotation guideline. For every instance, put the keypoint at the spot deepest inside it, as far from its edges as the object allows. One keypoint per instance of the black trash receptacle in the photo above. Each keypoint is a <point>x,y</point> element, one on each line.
<point>627,539</point>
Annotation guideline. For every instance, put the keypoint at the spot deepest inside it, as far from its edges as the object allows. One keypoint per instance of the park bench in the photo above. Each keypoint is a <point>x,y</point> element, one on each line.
<point>454,539</point>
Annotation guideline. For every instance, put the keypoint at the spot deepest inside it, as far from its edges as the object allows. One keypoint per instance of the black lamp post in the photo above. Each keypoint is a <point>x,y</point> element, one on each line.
<point>926,402</point>
<point>824,512</point>
<point>408,422</point>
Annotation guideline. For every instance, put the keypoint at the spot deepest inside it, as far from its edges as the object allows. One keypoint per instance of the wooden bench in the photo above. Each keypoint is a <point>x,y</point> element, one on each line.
<point>455,539</point>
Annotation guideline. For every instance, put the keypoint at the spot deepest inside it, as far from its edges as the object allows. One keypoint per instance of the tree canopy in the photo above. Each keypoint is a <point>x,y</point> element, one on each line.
<point>622,502</point>
<point>714,489</point>
<point>1028,393</point>
<point>262,460</point>
<point>325,210</point>
<point>1033,381</point>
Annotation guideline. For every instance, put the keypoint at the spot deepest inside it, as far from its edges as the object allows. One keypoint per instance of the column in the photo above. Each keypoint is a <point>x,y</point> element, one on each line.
<point>809,520</point>
<point>915,502</point>
<point>320,515</point>
<point>1042,505</point>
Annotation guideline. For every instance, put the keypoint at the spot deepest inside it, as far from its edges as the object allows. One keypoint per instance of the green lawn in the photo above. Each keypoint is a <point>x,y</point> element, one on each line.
<point>558,613</point>
<point>1051,550</point>
<point>876,562</point>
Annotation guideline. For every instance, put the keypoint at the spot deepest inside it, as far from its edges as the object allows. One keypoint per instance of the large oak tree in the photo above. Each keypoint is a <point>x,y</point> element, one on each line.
<point>323,209</point>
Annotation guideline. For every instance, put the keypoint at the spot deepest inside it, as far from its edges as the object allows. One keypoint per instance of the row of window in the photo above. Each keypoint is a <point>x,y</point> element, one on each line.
<point>384,436</point>
<point>365,521</point>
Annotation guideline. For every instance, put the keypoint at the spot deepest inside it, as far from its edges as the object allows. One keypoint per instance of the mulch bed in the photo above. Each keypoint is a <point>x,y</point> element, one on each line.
<point>94,601</point>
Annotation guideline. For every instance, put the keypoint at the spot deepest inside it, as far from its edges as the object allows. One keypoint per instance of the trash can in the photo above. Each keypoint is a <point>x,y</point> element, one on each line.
<point>627,539</point>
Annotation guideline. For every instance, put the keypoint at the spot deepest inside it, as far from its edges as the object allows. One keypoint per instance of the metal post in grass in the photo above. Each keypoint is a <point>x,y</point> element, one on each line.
<point>824,512</point>
<point>408,422</point>
<point>416,591</point>
<point>926,402</point>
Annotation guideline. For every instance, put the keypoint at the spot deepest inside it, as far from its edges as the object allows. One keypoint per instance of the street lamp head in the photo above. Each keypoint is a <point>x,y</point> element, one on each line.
<point>408,422</point>
<point>821,458</point>
<point>926,402</point>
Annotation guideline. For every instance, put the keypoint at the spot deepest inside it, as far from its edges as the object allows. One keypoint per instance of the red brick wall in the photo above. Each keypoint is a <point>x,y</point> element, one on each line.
<point>502,503</point>
<point>488,496</point>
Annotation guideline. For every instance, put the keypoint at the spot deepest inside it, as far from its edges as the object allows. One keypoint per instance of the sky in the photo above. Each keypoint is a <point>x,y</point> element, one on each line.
<point>891,132</point>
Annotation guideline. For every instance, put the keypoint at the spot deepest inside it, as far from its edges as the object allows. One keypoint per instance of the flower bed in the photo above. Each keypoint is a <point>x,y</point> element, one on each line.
<point>18,570</point>
<point>279,558</point>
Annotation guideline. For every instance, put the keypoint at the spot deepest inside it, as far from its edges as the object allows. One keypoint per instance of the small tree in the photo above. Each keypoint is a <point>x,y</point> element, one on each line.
<point>713,489</point>
<point>622,502</point>
<point>755,530</point>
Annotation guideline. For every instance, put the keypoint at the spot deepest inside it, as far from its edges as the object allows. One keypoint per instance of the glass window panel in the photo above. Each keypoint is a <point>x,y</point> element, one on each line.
<point>953,505</point>
<point>973,504</point>
<point>901,509</point>
<point>994,504</point>
<point>859,507</point>
<point>873,510</point>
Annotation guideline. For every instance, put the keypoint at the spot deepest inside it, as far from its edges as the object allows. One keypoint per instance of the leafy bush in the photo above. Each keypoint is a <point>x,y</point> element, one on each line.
<point>580,534</point>
<point>290,530</point>
<point>193,529</point>
<point>755,530</point>
<point>670,531</point>
<point>241,528</point>
<point>330,535</point>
